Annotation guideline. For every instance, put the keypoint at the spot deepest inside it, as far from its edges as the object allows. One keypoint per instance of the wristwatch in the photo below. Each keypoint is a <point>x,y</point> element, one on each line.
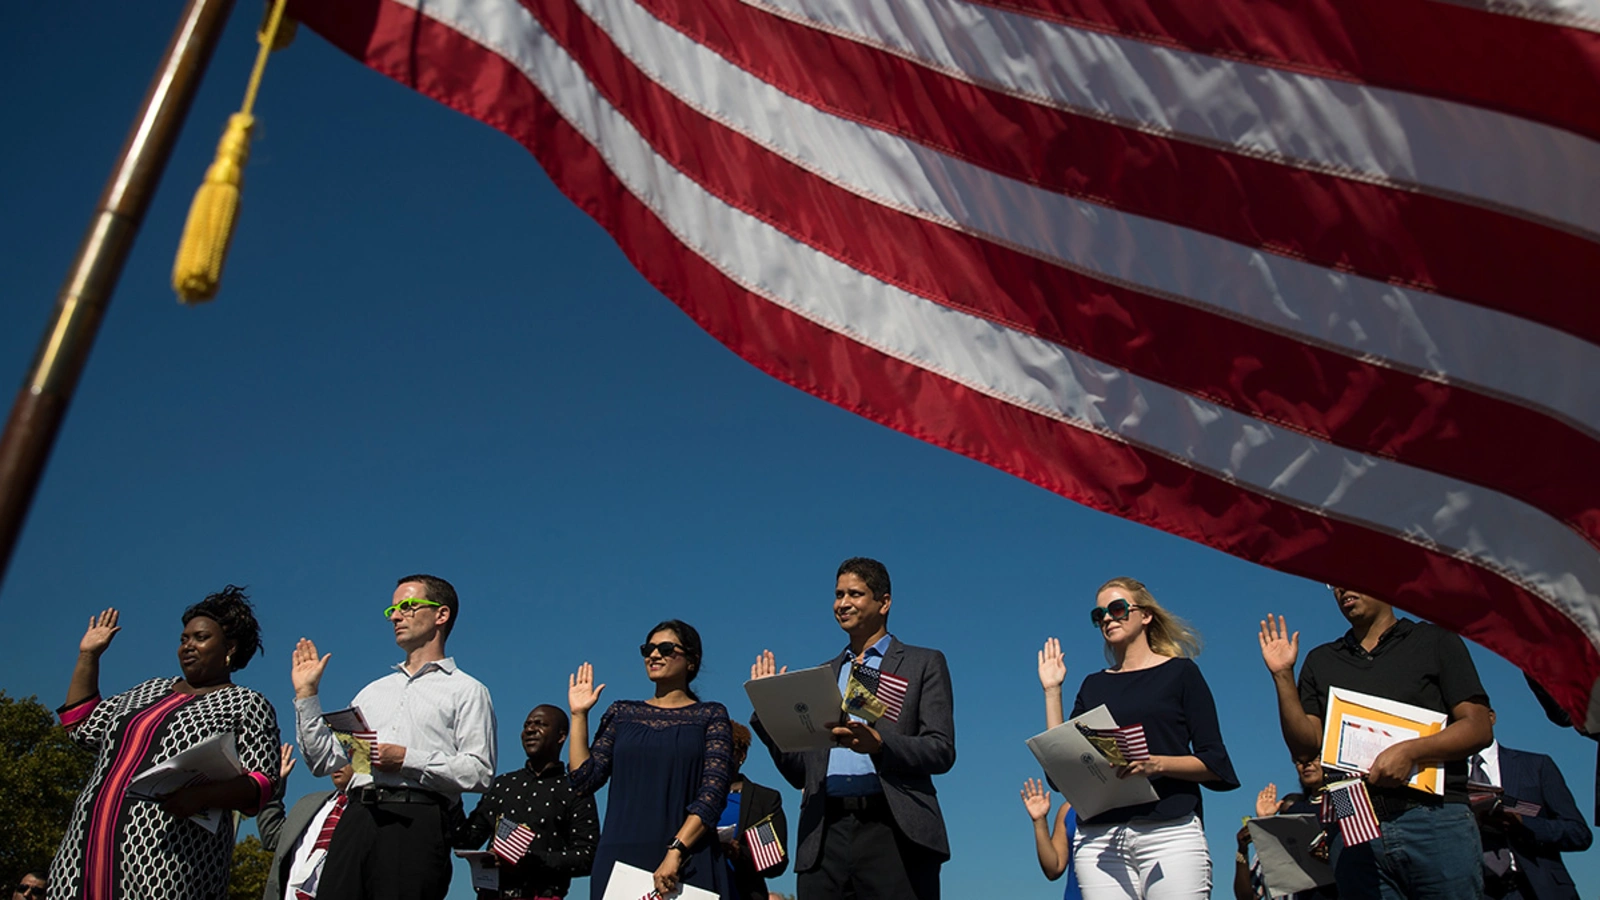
<point>679,846</point>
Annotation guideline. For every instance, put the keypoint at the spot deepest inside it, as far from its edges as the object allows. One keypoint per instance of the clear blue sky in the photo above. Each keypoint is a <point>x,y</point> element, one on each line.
<point>424,358</point>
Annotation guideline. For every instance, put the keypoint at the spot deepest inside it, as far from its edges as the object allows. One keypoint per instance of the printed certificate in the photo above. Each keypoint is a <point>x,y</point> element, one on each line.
<point>1360,726</point>
<point>798,708</point>
<point>1081,773</point>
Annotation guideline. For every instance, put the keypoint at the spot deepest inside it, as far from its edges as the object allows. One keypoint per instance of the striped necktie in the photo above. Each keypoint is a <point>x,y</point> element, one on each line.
<point>325,836</point>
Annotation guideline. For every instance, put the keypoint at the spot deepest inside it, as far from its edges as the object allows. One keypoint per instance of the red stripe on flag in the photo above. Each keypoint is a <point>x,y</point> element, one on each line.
<point>1468,252</point>
<point>1099,472</point>
<point>1421,46</point>
<point>1320,392</point>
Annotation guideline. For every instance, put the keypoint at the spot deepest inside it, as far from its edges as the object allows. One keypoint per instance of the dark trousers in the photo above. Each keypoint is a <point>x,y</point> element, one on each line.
<point>387,851</point>
<point>865,857</point>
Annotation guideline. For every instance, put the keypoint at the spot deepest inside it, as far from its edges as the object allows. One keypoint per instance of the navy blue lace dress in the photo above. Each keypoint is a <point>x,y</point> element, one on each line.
<point>663,765</point>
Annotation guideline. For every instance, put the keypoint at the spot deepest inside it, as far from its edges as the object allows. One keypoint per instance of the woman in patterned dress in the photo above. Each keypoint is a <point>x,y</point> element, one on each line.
<point>121,848</point>
<point>668,759</point>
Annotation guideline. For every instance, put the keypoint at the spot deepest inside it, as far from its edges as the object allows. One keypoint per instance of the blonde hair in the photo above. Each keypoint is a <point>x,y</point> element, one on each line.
<point>1168,634</point>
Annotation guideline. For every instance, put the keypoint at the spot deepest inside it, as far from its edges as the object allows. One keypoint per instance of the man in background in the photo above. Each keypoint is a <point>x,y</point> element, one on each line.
<point>299,841</point>
<point>31,886</point>
<point>562,826</point>
<point>1527,826</point>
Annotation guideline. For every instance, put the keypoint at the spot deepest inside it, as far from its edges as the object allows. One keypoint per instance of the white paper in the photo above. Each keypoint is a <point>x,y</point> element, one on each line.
<point>349,721</point>
<point>628,883</point>
<point>1361,740</point>
<point>796,708</point>
<point>213,759</point>
<point>1081,774</point>
<point>485,869</point>
<point>1283,844</point>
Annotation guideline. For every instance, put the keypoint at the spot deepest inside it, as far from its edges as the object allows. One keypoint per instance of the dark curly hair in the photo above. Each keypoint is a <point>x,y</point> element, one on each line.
<point>230,608</point>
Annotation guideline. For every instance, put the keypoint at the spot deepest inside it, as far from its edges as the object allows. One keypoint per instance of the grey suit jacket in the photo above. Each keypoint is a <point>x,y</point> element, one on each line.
<point>920,745</point>
<point>287,838</point>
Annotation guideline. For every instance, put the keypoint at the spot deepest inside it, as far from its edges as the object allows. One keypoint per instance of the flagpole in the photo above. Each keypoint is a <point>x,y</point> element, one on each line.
<point>42,402</point>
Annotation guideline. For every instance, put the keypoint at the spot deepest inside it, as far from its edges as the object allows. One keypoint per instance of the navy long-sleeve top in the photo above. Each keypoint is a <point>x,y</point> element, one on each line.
<point>1173,703</point>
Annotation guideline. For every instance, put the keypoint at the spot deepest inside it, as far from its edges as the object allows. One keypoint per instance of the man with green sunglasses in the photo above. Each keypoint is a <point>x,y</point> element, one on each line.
<point>432,739</point>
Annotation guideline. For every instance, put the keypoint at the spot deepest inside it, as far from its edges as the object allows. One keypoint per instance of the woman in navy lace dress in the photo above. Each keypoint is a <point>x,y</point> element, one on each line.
<point>668,759</point>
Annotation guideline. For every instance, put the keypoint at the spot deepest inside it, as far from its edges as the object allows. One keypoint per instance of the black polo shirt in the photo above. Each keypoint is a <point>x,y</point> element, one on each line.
<point>1414,662</point>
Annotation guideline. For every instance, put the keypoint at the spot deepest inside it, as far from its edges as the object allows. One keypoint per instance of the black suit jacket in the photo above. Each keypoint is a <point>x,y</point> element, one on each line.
<point>756,802</point>
<point>1559,828</point>
<point>920,745</point>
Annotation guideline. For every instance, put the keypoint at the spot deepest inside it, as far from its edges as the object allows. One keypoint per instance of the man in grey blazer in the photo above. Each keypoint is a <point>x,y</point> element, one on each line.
<point>870,825</point>
<point>291,838</point>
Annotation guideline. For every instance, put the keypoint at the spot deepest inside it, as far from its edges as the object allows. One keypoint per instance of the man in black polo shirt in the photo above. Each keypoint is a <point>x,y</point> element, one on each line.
<point>1429,845</point>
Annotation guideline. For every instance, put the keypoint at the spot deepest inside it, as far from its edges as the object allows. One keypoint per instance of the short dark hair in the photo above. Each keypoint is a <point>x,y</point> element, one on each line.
<point>230,608</point>
<point>874,573</point>
<point>690,639</point>
<point>559,714</point>
<point>439,591</point>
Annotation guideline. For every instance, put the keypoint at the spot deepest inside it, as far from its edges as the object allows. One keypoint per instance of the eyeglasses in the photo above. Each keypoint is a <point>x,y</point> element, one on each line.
<point>665,648</point>
<point>1118,609</point>
<point>31,890</point>
<point>408,607</point>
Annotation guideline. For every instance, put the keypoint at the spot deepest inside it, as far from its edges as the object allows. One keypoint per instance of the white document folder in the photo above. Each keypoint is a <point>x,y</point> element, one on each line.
<point>796,708</point>
<point>214,759</point>
<point>628,883</point>
<point>1081,774</point>
<point>485,869</point>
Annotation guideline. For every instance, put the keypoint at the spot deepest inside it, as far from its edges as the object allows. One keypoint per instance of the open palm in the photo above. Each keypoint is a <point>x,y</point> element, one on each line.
<point>102,629</point>
<point>582,692</point>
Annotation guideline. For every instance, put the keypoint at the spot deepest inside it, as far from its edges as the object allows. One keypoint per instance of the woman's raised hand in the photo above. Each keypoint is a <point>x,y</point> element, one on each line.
<point>102,629</point>
<point>582,692</point>
<point>1052,667</point>
<point>1036,799</point>
<point>1267,801</point>
<point>765,666</point>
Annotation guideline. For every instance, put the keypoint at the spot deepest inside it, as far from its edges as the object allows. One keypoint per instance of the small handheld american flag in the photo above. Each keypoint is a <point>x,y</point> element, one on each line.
<point>511,841</point>
<point>1130,740</point>
<point>766,848</point>
<point>1349,804</point>
<point>890,689</point>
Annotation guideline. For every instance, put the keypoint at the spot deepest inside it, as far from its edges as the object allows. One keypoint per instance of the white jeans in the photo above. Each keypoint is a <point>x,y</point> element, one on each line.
<point>1145,859</point>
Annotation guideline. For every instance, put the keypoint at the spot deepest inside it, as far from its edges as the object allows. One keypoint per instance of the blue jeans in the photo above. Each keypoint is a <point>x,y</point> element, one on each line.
<point>1426,853</point>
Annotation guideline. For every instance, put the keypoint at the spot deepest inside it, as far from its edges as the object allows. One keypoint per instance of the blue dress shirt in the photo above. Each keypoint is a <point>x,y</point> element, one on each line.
<point>852,774</point>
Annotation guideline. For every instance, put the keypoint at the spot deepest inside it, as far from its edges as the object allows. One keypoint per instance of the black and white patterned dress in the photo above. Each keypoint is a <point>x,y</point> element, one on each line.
<point>119,848</point>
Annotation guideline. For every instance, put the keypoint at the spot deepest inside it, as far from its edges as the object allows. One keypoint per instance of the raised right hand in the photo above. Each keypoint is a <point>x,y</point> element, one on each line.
<point>1036,799</point>
<point>765,666</point>
<point>582,692</point>
<point>307,668</point>
<point>102,629</point>
<point>1279,648</point>
<point>1267,801</point>
<point>1052,666</point>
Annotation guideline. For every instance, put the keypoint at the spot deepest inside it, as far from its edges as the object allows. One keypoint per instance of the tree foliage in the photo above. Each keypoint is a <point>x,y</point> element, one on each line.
<point>41,774</point>
<point>251,862</point>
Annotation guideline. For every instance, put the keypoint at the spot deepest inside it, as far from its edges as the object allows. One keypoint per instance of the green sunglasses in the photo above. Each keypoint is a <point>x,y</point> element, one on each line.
<point>408,606</point>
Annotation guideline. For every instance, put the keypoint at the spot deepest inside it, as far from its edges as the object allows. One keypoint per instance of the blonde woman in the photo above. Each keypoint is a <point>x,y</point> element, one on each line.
<point>1157,850</point>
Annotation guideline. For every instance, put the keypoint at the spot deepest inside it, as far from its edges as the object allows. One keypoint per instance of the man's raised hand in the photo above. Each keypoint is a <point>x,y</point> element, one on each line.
<point>765,666</point>
<point>306,669</point>
<point>1279,648</point>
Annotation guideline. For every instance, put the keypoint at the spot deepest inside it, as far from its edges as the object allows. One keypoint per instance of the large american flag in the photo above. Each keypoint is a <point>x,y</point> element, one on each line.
<point>1312,283</point>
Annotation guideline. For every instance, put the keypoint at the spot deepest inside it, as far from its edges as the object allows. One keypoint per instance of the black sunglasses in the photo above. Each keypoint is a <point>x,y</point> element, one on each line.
<point>31,890</point>
<point>1118,609</point>
<point>666,648</point>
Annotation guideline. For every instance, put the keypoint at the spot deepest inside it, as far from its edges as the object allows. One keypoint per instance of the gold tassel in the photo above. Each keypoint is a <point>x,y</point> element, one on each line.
<point>197,270</point>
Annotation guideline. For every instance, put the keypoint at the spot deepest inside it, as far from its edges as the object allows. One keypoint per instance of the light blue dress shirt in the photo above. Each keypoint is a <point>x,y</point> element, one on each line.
<point>852,774</point>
